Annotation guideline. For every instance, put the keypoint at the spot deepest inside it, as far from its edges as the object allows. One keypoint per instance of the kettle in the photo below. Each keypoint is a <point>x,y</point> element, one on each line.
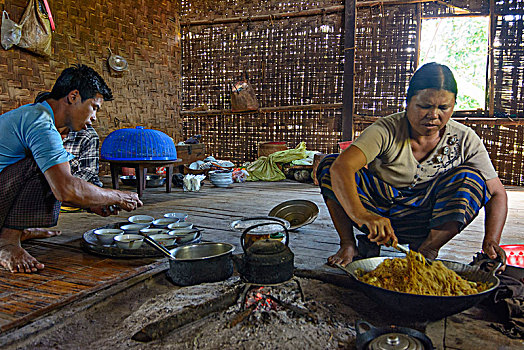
<point>266,261</point>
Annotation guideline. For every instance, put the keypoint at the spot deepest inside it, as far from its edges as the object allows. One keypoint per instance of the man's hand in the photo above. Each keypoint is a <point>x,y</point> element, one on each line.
<point>129,200</point>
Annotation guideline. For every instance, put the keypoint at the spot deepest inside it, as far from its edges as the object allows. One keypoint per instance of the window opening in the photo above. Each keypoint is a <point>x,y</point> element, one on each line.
<point>461,43</point>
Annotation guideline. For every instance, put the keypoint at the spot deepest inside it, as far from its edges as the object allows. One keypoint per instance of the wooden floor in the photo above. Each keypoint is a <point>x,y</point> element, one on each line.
<point>72,274</point>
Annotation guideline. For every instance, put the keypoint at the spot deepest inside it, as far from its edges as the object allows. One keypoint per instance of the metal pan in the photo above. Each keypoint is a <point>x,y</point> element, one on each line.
<point>424,307</point>
<point>197,263</point>
<point>298,212</point>
<point>116,62</point>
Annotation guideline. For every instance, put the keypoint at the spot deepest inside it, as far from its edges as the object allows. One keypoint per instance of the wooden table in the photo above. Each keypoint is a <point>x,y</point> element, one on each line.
<point>140,167</point>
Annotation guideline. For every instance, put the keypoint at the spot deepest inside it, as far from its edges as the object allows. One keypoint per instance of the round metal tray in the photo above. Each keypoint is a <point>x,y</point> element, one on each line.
<point>92,245</point>
<point>298,212</point>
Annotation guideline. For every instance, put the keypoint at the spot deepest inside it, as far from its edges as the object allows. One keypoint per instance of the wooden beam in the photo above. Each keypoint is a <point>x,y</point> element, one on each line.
<point>488,121</point>
<point>348,91</point>
<point>310,107</point>
<point>305,13</point>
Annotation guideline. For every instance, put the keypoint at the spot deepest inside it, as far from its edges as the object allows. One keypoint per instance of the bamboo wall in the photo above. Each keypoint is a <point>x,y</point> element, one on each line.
<point>299,61</point>
<point>144,32</point>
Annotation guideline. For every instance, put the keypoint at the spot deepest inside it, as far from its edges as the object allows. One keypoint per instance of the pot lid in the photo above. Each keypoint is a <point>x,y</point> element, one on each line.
<point>267,247</point>
<point>395,341</point>
<point>247,222</point>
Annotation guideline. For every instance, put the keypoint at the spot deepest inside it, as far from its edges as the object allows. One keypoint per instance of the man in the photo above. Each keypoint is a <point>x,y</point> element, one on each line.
<point>84,145</point>
<point>35,174</point>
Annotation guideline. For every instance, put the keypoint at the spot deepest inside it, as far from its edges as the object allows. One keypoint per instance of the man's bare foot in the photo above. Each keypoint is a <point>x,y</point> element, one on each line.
<point>14,258</point>
<point>31,233</point>
<point>344,256</point>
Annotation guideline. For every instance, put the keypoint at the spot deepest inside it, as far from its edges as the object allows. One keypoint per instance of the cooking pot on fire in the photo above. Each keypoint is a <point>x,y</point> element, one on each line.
<point>267,260</point>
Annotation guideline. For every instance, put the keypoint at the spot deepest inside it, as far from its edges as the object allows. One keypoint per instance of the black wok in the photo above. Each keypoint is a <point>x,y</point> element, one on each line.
<point>424,307</point>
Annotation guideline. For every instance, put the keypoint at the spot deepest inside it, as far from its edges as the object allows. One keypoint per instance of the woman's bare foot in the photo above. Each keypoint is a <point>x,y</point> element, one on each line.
<point>344,256</point>
<point>31,233</point>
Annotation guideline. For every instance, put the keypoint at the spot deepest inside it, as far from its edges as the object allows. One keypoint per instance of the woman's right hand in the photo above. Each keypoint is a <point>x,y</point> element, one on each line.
<point>379,227</point>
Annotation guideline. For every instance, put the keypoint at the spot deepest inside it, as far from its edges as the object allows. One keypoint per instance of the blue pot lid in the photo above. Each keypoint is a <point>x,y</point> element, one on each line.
<point>138,144</point>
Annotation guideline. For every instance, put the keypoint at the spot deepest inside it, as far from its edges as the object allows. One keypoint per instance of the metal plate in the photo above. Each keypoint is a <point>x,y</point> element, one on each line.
<point>298,212</point>
<point>92,245</point>
<point>242,224</point>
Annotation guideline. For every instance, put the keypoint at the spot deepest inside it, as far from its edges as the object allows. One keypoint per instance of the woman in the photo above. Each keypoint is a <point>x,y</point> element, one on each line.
<point>426,179</point>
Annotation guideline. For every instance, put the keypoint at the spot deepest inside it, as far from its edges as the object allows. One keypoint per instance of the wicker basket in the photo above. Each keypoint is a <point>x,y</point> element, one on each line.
<point>266,148</point>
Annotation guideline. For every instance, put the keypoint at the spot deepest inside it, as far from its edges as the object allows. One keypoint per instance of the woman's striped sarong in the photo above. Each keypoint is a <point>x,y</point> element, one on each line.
<point>457,195</point>
<point>26,200</point>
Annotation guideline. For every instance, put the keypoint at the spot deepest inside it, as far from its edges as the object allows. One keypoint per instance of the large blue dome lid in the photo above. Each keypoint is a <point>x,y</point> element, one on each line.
<point>138,144</point>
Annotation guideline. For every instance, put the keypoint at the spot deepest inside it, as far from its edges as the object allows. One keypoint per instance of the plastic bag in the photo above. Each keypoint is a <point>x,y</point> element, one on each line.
<point>192,182</point>
<point>11,32</point>
<point>266,168</point>
<point>243,96</point>
<point>36,30</point>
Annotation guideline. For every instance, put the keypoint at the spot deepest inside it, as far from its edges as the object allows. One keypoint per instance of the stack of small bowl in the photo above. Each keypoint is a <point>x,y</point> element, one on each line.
<point>221,178</point>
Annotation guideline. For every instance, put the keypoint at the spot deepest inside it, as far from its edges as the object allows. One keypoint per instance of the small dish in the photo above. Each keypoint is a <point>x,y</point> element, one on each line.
<point>164,239</point>
<point>129,241</point>
<point>180,225</point>
<point>180,216</point>
<point>164,222</point>
<point>105,235</point>
<point>153,231</point>
<point>133,228</point>
<point>141,219</point>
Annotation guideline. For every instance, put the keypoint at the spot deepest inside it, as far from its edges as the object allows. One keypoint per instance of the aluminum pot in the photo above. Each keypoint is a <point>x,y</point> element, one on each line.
<point>197,263</point>
<point>425,307</point>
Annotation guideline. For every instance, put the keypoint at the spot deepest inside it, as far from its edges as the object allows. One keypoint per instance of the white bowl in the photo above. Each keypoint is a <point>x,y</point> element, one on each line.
<point>141,219</point>
<point>164,239</point>
<point>184,236</point>
<point>180,226</point>
<point>133,228</point>
<point>105,235</point>
<point>179,216</point>
<point>164,222</point>
<point>154,231</point>
<point>129,241</point>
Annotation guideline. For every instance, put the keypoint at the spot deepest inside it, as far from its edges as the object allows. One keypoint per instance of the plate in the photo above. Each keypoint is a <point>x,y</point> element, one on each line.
<point>298,212</point>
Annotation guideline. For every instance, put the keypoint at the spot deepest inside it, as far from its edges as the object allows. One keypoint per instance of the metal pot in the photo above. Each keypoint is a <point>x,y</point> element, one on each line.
<point>425,307</point>
<point>266,261</point>
<point>116,62</point>
<point>197,263</point>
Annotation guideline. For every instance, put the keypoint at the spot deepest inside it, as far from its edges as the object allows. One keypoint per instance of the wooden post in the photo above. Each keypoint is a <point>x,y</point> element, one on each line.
<point>349,70</point>
<point>490,104</point>
<point>417,40</point>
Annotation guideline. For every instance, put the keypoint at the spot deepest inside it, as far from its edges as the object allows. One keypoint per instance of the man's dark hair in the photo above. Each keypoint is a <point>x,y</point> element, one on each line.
<point>79,77</point>
<point>432,76</point>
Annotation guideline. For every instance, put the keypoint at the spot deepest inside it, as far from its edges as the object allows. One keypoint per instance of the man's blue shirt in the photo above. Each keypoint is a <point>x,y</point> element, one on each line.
<point>30,130</point>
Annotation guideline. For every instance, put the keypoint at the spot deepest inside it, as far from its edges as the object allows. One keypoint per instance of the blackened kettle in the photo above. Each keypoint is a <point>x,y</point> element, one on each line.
<point>267,261</point>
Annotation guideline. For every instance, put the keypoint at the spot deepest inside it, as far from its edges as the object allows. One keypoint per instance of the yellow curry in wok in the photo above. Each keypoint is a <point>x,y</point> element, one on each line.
<point>412,275</point>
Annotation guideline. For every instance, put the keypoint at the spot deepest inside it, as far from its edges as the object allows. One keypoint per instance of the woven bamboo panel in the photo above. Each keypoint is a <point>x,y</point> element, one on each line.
<point>505,145</point>
<point>147,94</point>
<point>385,58</point>
<point>289,62</point>
<point>507,51</point>
<point>236,137</point>
<point>455,6</point>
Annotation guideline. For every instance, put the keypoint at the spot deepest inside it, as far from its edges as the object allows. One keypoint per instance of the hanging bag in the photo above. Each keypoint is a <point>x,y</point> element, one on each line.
<point>11,32</point>
<point>36,30</point>
<point>243,96</point>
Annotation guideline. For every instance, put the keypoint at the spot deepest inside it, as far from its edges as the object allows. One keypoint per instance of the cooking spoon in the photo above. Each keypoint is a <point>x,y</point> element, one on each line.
<point>402,248</point>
